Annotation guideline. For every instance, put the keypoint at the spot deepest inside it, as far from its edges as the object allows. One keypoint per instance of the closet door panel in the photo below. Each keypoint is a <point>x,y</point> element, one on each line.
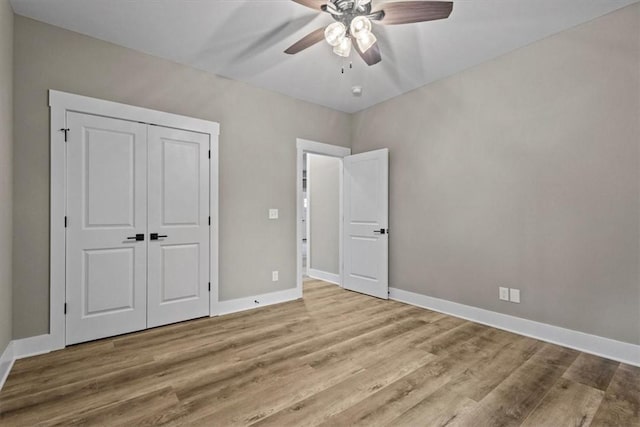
<point>178,215</point>
<point>106,267</point>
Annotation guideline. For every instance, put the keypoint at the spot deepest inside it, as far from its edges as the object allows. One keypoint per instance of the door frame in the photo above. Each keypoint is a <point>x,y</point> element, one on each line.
<point>311,147</point>
<point>62,102</point>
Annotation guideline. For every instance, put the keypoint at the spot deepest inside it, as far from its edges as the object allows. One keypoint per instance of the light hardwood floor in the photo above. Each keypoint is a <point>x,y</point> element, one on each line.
<point>336,358</point>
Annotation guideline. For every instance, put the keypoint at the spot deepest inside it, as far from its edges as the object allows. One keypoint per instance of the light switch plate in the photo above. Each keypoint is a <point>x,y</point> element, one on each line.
<point>504,294</point>
<point>274,276</point>
<point>273,213</point>
<point>514,295</point>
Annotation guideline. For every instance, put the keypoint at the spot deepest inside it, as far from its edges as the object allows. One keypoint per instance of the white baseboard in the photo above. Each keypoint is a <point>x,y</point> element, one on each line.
<point>32,346</point>
<point>593,344</point>
<point>323,275</point>
<point>6,363</point>
<point>256,301</point>
<point>18,349</point>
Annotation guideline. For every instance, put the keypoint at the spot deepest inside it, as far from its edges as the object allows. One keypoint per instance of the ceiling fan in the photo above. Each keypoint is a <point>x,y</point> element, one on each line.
<point>353,23</point>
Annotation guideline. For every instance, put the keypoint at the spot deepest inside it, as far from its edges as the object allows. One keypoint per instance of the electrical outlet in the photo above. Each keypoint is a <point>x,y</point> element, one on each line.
<point>514,295</point>
<point>273,213</point>
<point>274,276</point>
<point>504,294</point>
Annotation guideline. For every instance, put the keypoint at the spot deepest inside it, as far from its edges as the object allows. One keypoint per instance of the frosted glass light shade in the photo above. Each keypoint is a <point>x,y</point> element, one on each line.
<point>360,27</point>
<point>334,33</point>
<point>343,48</point>
<point>366,41</point>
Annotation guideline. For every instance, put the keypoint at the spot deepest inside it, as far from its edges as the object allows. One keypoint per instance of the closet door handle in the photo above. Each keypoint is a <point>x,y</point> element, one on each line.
<point>137,237</point>
<point>156,236</point>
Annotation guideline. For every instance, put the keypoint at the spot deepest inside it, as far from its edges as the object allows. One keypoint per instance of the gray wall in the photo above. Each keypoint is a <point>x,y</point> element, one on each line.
<point>523,172</point>
<point>323,180</point>
<point>257,155</point>
<point>6,144</point>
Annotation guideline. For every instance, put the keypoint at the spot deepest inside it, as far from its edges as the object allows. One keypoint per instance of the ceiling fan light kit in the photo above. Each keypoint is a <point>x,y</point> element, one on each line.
<point>354,23</point>
<point>335,33</point>
<point>343,48</point>
<point>360,26</point>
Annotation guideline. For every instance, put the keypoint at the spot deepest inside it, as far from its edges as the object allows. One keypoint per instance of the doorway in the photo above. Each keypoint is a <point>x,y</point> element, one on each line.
<point>363,234</point>
<point>324,161</point>
<point>321,253</point>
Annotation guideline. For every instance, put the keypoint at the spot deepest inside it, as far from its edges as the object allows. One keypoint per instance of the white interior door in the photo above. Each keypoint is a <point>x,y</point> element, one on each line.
<point>106,266</point>
<point>179,215</point>
<point>366,216</point>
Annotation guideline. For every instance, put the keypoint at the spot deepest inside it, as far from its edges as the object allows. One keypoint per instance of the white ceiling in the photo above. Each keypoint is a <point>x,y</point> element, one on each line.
<point>245,40</point>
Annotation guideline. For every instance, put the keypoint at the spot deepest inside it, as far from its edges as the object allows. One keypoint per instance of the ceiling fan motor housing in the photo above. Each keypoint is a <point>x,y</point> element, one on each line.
<point>346,10</point>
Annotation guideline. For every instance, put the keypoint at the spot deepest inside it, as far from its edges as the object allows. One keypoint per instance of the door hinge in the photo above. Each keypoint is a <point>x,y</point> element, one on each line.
<point>209,286</point>
<point>209,153</point>
<point>66,131</point>
<point>65,308</point>
<point>66,221</point>
<point>209,220</point>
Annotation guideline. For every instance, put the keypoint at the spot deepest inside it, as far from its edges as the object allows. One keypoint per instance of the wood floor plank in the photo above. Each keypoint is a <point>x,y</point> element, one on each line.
<point>480,379</point>
<point>444,342</point>
<point>320,406</point>
<point>621,403</point>
<point>336,358</point>
<point>515,397</point>
<point>438,409</point>
<point>60,373</point>
<point>568,403</point>
<point>203,385</point>
<point>126,413</point>
<point>392,401</point>
<point>362,342</point>
<point>592,370</point>
<point>265,398</point>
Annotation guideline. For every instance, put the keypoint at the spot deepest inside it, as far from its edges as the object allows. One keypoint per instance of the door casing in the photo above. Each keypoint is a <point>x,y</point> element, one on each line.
<point>60,103</point>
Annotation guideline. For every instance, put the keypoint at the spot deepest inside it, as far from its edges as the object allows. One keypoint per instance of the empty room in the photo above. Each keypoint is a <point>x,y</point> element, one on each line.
<point>320,212</point>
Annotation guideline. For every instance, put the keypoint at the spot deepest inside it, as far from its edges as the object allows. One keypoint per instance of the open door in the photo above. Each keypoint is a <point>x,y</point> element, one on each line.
<point>366,216</point>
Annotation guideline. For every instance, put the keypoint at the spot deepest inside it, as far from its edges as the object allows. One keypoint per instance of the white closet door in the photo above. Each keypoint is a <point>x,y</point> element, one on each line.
<point>178,213</point>
<point>106,206</point>
<point>366,218</point>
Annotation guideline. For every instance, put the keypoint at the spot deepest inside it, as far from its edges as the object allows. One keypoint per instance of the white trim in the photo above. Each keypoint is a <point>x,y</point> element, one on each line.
<point>57,243</point>
<point>257,301</point>
<point>587,343</point>
<point>306,146</point>
<point>6,363</point>
<point>323,275</point>
<point>307,222</point>
<point>32,346</point>
<point>60,103</point>
<point>214,236</point>
<point>101,107</point>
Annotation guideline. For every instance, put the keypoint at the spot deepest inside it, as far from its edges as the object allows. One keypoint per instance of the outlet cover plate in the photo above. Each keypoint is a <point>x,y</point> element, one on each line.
<point>274,276</point>
<point>504,294</point>
<point>514,295</point>
<point>273,213</point>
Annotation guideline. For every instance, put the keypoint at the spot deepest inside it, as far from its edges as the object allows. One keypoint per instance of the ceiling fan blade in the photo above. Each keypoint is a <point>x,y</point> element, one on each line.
<point>313,4</point>
<point>371,56</point>
<point>407,12</point>
<point>305,42</point>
